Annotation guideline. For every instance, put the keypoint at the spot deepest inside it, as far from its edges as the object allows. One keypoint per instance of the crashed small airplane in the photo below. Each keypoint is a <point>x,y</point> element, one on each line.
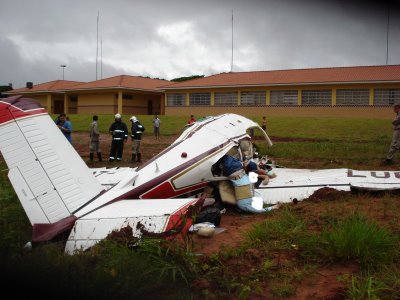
<point>61,195</point>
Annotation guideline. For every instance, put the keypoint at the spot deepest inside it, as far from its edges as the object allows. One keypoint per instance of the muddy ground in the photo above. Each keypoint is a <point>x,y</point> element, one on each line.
<point>322,284</point>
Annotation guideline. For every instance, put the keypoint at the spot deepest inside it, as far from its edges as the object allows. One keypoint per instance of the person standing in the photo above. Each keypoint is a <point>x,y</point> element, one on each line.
<point>395,145</point>
<point>137,131</point>
<point>94,135</point>
<point>156,126</point>
<point>191,120</point>
<point>119,133</point>
<point>65,126</point>
<point>264,123</point>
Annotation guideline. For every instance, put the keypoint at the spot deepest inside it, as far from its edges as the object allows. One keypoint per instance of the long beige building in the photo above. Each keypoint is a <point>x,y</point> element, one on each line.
<point>368,91</point>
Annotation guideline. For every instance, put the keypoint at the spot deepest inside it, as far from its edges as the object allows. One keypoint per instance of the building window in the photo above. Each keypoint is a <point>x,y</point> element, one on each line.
<point>288,97</point>
<point>316,97</point>
<point>127,97</point>
<point>225,99</point>
<point>200,99</point>
<point>386,97</point>
<point>176,99</point>
<point>252,98</point>
<point>352,97</point>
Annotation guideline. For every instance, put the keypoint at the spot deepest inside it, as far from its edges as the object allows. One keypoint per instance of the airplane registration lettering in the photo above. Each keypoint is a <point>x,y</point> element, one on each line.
<point>350,174</point>
<point>374,174</point>
<point>385,175</point>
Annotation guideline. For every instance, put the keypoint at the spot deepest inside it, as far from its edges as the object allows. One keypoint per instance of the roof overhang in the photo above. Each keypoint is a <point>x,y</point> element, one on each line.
<point>281,84</point>
<point>32,92</point>
<point>113,88</point>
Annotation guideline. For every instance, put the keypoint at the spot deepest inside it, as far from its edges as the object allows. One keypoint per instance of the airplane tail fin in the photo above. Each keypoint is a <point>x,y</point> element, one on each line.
<point>49,177</point>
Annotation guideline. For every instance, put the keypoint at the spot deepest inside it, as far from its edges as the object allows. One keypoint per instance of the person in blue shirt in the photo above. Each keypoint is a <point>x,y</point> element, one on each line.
<point>65,126</point>
<point>244,192</point>
<point>251,166</point>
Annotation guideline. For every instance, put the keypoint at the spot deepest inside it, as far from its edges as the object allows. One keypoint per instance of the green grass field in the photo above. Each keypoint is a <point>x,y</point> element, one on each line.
<point>350,229</point>
<point>332,129</point>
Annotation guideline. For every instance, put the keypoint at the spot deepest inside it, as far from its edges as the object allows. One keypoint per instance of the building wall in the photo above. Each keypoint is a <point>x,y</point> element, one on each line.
<point>41,98</point>
<point>99,103</point>
<point>296,109</point>
<point>106,102</point>
<point>139,104</point>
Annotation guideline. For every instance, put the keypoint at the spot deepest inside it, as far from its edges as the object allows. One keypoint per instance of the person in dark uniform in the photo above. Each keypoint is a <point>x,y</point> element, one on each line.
<point>137,131</point>
<point>119,133</point>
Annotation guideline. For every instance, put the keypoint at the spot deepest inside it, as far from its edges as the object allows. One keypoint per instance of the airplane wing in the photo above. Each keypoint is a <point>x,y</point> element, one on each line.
<point>299,184</point>
<point>156,217</point>
<point>49,177</point>
<point>109,177</point>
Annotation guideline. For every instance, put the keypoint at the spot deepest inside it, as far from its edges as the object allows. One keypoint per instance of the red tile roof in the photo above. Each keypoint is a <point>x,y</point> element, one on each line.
<point>51,86</point>
<point>296,76</point>
<point>124,81</point>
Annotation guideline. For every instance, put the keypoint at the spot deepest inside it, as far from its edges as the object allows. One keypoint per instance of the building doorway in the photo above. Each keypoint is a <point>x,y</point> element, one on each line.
<point>58,106</point>
<point>149,107</point>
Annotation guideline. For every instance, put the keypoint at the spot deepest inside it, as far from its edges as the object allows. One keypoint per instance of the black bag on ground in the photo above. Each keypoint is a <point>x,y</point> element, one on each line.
<point>210,214</point>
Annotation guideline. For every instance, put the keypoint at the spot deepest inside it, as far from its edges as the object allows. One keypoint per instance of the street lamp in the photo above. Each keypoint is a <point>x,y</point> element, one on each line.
<point>63,66</point>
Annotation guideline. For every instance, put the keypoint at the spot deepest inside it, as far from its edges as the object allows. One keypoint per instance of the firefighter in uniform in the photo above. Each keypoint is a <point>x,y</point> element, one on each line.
<point>119,133</point>
<point>137,130</point>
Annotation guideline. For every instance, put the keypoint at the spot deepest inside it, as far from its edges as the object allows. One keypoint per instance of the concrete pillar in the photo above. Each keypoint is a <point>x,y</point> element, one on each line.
<point>371,96</point>
<point>299,97</point>
<point>268,97</point>
<point>66,104</point>
<point>120,102</point>
<point>48,104</point>
<point>162,104</point>
<point>187,100</point>
<point>333,97</point>
<point>212,98</point>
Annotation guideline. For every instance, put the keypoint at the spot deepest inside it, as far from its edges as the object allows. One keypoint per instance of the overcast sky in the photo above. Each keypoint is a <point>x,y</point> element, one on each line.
<point>175,38</point>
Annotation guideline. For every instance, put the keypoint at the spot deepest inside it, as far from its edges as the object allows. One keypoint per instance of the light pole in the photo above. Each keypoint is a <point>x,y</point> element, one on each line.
<point>63,67</point>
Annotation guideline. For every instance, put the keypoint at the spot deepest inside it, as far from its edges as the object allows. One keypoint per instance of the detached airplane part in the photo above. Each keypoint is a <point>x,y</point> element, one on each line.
<point>300,184</point>
<point>60,194</point>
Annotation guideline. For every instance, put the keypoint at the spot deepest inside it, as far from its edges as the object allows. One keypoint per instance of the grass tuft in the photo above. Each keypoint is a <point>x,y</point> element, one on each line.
<point>358,238</point>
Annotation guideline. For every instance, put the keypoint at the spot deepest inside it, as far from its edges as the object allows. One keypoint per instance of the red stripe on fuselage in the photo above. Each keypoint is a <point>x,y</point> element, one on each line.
<point>166,190</point>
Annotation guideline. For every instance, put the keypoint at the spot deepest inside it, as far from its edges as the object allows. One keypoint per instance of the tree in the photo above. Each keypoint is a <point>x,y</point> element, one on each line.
<point>5,88</point>
<point>180,79</point>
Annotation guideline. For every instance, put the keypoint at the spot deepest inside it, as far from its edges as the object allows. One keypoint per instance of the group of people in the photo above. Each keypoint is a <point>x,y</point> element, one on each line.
<point>119,136</point>
<point>119,133</point>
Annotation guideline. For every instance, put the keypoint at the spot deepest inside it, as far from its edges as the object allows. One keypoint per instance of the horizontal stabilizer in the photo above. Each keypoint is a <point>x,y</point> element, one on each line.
<point>156,216</point>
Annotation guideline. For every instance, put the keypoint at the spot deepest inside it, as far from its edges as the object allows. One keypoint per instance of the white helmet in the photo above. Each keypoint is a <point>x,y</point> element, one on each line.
<point>133,119</point>
<point>118,116</point>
